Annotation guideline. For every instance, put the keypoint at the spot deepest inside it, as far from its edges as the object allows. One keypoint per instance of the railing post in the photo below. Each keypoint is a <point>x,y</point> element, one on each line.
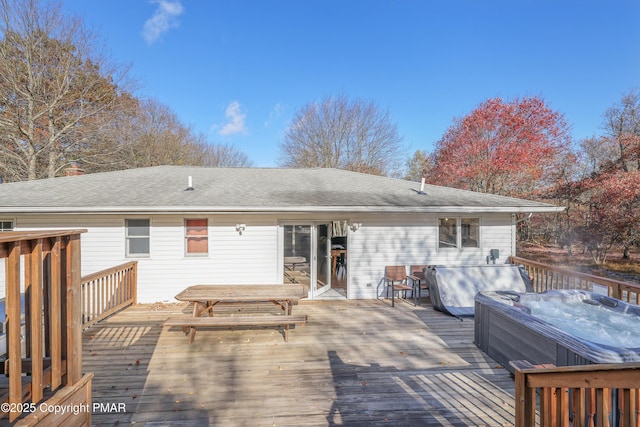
<point>56,315</point>
<point>525,396</point>
<point>134,283</point>
<point>616,292</point>
<point>36,321</point>
<point>578,409</point>
<point>74,312</point>
<point>14,352</point>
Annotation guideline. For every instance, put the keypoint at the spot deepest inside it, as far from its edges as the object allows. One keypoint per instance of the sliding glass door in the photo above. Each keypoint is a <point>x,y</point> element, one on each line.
<point>322,259</point>
<point>306,255</point>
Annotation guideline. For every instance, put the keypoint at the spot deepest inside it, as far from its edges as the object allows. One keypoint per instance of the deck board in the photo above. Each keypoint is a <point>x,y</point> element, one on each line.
<point>355,363</point>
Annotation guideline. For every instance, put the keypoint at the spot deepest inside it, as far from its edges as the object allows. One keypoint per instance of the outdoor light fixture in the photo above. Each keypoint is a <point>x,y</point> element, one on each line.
<point>240,228</point>
<point>354,226</point>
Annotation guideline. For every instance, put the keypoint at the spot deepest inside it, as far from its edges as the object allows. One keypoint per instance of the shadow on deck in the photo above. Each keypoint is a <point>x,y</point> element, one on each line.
<point>355,363</point>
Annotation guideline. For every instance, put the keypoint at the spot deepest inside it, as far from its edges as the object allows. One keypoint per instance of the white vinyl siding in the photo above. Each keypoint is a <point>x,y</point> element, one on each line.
<point>251,257</point>
<point>413,239</point>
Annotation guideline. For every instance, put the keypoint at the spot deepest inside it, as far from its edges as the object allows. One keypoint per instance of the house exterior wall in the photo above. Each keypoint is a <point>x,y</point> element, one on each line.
<point>413,240</point>
<point>253,255</point>
<point>233,258</point>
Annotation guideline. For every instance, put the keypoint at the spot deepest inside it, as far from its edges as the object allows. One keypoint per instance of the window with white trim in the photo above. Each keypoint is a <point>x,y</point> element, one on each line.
<point>137,237</point>
<point>470,232</point>
<point>196,236</point>
<point>447,233</point>
<point>6,225</point>
<point>458,232</point>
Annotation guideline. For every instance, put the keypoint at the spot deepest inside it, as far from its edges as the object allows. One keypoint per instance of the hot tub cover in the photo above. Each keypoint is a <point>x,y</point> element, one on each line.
<point>452,289</point>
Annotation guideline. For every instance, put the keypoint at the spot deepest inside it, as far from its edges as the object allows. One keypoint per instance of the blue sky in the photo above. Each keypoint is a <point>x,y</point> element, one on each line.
<point>237,70</point>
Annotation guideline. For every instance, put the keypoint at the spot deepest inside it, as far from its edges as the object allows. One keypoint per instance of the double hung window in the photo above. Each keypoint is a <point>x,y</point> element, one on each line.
<point>196,237</point>
<point>137,237</point>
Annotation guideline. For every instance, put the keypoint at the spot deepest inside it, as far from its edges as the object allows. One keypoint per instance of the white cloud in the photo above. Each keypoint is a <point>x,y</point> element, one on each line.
<point>164,18</point>
<point>236,120</point>
<point>275,113</point>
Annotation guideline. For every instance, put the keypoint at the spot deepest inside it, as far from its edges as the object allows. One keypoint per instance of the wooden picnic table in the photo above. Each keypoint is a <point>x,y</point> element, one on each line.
<point>205,297</point>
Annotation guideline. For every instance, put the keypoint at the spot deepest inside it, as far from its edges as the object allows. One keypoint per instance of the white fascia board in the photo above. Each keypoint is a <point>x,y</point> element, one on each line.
<point>259,210</point>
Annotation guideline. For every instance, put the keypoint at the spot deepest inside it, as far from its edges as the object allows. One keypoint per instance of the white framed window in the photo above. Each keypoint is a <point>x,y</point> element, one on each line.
<point>447,233</point>
<point>458,233</point>
<point>196,237</point>
<point>137,237</point>
<point>6,225</point>
<point>470,232</point>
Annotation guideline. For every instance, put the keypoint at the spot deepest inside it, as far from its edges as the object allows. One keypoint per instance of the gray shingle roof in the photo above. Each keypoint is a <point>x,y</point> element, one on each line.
<point>163,189</point>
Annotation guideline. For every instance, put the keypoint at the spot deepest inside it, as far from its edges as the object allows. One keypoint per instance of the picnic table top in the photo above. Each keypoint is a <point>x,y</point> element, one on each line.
<point>238,292</point>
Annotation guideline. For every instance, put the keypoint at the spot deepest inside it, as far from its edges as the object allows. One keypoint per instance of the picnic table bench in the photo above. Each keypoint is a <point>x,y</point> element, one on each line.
<point>230,321</point>
<point>205,297</point>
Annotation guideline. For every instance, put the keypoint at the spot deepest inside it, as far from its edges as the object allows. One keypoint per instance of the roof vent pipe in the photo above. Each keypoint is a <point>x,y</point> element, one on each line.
<point>189,184</point>
<point>422,186</point>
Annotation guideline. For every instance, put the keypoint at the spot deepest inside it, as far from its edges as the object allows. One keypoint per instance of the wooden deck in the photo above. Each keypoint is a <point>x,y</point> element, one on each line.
<point>355,363</point>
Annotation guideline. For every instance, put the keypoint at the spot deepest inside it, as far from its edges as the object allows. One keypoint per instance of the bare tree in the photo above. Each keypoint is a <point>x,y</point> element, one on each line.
<point>596,153</point>
<point>417,165</point>
<point>56,89</point>
<point>338,133</point>
<point>224,156</point>
<point>151,134</point>
<point>621,125</point>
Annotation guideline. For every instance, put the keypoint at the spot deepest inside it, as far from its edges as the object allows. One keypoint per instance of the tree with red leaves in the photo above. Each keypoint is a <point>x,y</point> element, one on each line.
<point>612,192</point>
<point>510,148</point>
<point>612,212</point>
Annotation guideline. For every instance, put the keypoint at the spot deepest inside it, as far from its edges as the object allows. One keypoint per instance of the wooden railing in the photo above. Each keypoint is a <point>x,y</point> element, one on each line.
<point>108,291</point>
<point>546,277</point>
<point>76,402</point>
<point>577,395</point>
<point>586,395</point>
<point>46,266</point>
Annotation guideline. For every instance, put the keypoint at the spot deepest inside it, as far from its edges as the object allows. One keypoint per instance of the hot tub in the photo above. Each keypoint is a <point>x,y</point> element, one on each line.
<point>569,327</point>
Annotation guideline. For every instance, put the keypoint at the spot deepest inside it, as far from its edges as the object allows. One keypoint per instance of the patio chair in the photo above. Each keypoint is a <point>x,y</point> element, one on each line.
<point>417,277</point>
<point>395,277</point>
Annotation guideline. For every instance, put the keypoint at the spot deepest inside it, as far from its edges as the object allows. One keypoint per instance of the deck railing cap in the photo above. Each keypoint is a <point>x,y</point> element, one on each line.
<point>18,236</point>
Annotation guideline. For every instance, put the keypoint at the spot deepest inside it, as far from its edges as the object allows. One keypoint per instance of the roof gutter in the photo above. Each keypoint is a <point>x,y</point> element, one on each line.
<point>275,210</point>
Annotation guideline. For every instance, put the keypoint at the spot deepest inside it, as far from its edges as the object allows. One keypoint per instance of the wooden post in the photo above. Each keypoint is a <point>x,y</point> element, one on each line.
<point>74,311</point>
<point>525,398</point>
<point>13,328</point>
<point>602,408</point>
<point>579,396</point>
<point>56,319</point>
<point>134,283</point>
<point>36,322</point>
